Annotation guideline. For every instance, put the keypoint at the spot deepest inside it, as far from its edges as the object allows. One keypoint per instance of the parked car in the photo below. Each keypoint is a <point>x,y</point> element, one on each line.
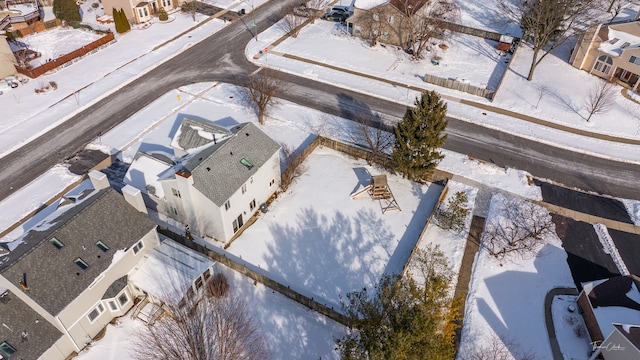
<point>339,13</point>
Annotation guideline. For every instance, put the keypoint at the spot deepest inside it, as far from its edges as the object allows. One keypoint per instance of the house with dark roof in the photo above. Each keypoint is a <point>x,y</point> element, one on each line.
<point>387,21</point>
<point>68,277</point>
<point>611,52</point>
<point>611,312</point>
<point>214,181</point>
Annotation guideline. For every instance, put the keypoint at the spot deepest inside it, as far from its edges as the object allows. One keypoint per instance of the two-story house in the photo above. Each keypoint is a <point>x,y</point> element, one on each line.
<point>611,52</point>
<point>217,179</point>
<point>67,278</point>
<point>139,11</point>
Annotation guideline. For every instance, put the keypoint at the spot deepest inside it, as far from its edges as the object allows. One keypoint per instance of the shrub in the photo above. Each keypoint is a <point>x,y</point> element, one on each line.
<point>218,286</point>
<point>163,16</point>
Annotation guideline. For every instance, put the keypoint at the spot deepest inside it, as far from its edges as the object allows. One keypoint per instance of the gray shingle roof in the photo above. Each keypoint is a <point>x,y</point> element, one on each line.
<point>191,133</point>
<point>19,317</point>
<point>115,288</point>
<point>217,171</point>
<point>53,278</point>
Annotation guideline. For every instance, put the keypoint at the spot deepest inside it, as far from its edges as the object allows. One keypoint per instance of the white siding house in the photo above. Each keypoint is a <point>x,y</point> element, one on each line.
<point>220,179</point>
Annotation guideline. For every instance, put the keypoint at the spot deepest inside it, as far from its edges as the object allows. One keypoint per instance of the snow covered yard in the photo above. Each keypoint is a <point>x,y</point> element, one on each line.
<point>291,330</point>
<point>570,328</point>
<point>325,244</point>
<point>506,299</point>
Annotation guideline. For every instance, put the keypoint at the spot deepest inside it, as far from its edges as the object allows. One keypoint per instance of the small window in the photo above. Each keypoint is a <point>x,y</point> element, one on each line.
<point>6,349</point>
<point>227,205</point>
<point>57,243</point>
<point>634,60</point>
<point>93,315</point>
<point>207,274</point>
<point>122,299</point>
<point>246,163</point>
<point>376,17</point>
<point>113,306</point>
<point>252,204</point>
<point>81,263</point>
<point>244,188</point>
<point>137,247</point>
<point>357,29</point>
<point>273,181</point>
<point>102,246</point>
<point>198,283</point>
<point>175,192</point>
<point>174,210</point>
<point>390,19</point>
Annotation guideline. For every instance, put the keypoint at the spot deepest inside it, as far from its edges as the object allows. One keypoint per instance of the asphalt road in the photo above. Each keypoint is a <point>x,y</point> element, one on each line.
<point>221,58</point>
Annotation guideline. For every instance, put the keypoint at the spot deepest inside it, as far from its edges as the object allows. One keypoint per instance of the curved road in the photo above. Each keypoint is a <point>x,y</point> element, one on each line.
<point>221,58</point>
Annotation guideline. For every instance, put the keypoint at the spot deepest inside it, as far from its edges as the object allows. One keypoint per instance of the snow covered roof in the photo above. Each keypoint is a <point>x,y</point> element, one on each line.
<point>169,263</point>
<point>619,37</point>
<point>194,133</point>
<point>369,4</point>
<point>614,301</point>
<point>146,172</point>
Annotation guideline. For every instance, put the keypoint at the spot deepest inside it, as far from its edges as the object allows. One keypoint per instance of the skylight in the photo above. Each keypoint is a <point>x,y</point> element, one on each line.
<point>57,243</point>
<point>102,246</point>
<point>246,163</point>
<point>81,263</point>
<point>6,349</point>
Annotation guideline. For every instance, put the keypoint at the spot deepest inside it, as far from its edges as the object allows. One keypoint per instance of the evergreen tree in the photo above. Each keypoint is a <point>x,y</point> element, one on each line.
<point>455,213</point>
<point>405,318</point>
<point>117,21</point>
<point>126,25</point>
<point>163,16</point>
<point>66,10</point>
<point>419,135</point>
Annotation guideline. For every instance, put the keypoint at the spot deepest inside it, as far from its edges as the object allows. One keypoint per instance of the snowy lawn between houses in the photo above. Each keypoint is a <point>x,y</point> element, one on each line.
<point>507,298</point>
<point>325,244</point>
<point>291,330</point>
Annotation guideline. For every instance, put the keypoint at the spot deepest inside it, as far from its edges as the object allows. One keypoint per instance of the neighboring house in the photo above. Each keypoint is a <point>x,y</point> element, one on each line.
<point>21,14</point>
<point>139,11</point>
<point>67,278</point>
<point>218,180</point>
<point>622,344</point>
<point>608,307</point>
<point>611,52</point>
<point>7,59</point>
<point>386,21</point>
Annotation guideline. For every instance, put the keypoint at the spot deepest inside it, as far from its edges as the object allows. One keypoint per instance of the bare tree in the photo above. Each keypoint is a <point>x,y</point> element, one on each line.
<point>291,23</point>
<point>616,7</point>
<point>521,231</point>
<point>371,132</point>
<point>428,22</point>
<point>294,167</point>
<point>373,26</point>
<point>547,24</point>
<point>191,7</point>
<point>262,91</point>
<point>496,349</point>
<point>208,329</point>
<point>601,98</point>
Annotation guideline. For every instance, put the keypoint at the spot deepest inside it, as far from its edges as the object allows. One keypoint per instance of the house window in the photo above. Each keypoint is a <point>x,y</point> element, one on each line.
<point>634,60</point>
<point>237,223</point>
<point>57,243</point>
<point>113,306</point>
<point>81,263</point>
<point>252,204</point>
<point>6,349</point>
<point>273,181</point>
<point>604,64</point>
<point>122,299</point>
<point>357,29</point>
<point>102,246</point>
<point>390,19</point>
<point>174,210</point>
<point>246,163</point>
<point>198,283</point>
<point>93,315</point>
<point>227,205</point>
<point>244,188</point>
<point>138,246</point>
<point>207,274</point>
<point>145,12</point>
<point>176,193</point>
<point>376,17</point>
<point>140,13</point>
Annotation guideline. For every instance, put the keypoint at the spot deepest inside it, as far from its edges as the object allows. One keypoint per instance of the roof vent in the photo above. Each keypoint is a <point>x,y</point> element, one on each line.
<point>613,41</point>
<point>625,45</point>
<point>24,335</point>
<point>208,168</point>
<point>246,134</point>
<point>23,282</point>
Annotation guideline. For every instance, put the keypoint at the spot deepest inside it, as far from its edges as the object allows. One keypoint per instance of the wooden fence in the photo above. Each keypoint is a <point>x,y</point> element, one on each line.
<point>222,258</point>
<point>35,72</point>
<point>460,86</point>
<point>490,35</point>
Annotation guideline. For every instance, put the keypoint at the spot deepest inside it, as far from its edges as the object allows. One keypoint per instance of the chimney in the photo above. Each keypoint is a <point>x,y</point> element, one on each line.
<point>98,179</point>
<point>134,197</point>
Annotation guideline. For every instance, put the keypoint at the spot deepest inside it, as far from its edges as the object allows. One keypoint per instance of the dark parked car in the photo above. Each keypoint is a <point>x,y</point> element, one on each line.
<point>338,13</point>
